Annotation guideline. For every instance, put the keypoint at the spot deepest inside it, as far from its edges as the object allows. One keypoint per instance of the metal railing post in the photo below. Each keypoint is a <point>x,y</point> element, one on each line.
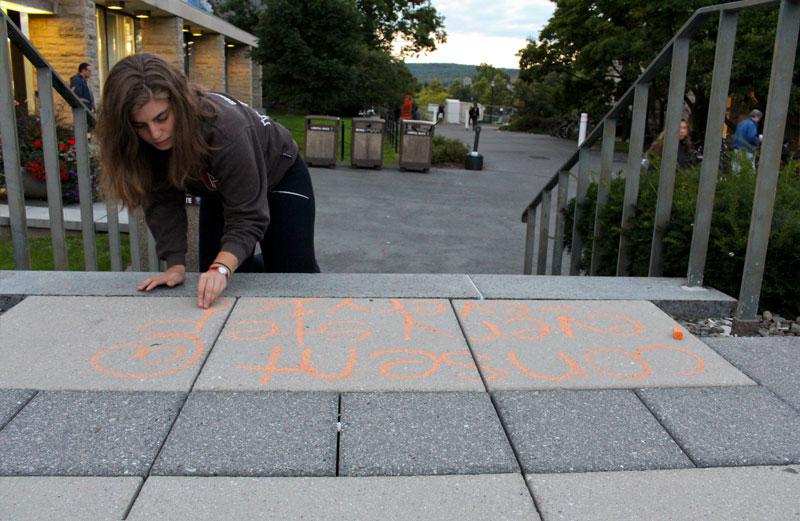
<point>723,60</point>
<point>530,231</point>
<point>780,85</point>
<point>50,147</point>
<point>632,173</point>
<point>603,187</point>
<point>114,241</point>
<point>11,157</point>
<point>85,188</point>
<point>544,224</point>
<point>558,239</point>
<point>580,197</point>
<point>669,157</point>
<point>152,256</point>
<point>133,239</point>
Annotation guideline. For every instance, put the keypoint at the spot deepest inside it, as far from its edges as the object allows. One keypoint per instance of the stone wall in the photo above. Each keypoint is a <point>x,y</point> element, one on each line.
<point>240,74</point>
<point>207,67</point>
<point>65,41</point>
<point>164,36</point>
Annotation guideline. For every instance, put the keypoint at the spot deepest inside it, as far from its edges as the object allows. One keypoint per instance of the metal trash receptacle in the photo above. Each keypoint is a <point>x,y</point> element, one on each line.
<point>416,144</point>
<point>366,142</point>
<point>321,138</point>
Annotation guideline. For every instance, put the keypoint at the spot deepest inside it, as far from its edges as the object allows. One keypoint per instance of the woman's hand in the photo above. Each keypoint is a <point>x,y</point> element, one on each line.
<point>174,276</point>
<point>211,285</point>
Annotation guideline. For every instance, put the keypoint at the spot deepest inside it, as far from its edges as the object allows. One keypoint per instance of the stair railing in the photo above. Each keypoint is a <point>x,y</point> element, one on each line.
<point>676,52</point>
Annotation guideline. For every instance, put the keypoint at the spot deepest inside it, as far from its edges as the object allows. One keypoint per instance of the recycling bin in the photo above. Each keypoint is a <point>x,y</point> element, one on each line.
<point>322,136</point>
<point>416,144</point>
<point>366,142</point>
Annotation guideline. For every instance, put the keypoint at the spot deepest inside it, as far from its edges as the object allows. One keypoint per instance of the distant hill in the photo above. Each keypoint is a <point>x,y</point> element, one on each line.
<point>446,73</point>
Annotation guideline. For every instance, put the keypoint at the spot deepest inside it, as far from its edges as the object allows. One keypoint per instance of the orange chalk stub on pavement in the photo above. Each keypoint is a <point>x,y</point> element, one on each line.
<point>677,333</point>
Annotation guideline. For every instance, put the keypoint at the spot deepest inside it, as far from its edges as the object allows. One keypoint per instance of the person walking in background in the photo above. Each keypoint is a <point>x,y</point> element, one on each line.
<point>687,155</point>
<point>473,115</point>
<point>80,86</point>
<point>747,139</point>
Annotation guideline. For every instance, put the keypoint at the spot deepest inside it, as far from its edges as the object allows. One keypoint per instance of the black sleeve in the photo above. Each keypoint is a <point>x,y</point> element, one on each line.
<point>240,167</point>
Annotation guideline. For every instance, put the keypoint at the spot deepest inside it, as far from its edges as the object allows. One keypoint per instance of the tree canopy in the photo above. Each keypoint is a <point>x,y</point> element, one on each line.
<point>591,51</point>
<point>335,56</point>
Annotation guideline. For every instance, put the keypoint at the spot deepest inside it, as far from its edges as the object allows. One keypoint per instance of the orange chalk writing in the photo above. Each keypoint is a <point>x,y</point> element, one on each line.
<point>574,369</point>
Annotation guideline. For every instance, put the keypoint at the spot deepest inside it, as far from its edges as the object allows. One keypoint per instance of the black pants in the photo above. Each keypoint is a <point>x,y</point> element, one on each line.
<point>288,245</point>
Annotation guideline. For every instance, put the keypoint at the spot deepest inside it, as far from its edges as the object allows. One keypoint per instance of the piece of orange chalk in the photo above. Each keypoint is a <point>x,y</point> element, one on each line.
<point>677,333</point>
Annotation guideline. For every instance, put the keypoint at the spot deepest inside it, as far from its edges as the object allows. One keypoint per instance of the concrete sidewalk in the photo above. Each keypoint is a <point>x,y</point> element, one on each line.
<point>388,397</point>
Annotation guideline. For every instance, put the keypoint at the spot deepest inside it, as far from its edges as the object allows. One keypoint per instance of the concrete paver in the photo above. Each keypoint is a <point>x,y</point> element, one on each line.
<point>773,362</point>
<point>395,285</point>
<point>95,343</point>
<point>65,498</point>
<point>402,434</point>
<point>586,344</point>
<point>720,426</point>
<point>443,498</point>
<point>585,431</point>
<point>717,494</point>
<point>253,434</point>
<point>342,345</point>
<point>11,401</point>
<point>87,433</point>
<point>669,294</point>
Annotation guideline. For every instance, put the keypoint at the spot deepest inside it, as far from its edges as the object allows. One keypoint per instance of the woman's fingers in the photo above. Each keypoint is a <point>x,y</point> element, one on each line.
<point>209,288</point>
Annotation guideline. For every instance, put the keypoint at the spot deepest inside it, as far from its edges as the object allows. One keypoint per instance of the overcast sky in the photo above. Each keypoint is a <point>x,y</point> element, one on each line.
<point>487,31</point>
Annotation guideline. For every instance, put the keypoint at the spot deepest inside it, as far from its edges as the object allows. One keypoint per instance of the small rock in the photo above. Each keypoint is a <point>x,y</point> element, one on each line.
<point>795,328</point>
<point>766,316</point>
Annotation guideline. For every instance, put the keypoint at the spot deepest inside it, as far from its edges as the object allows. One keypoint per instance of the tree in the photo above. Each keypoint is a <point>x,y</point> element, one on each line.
<point>595,50</point>
<point>415,22</point>
<point>310,53</point>
<point>244,14</point>
<point>482,90</point>
<point>316,59</point>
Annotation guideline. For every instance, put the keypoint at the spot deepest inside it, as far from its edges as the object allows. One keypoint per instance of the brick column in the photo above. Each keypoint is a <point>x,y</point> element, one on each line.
<point>207,67</point>
<point>240,74</point>
<point>66,40</point>
<point>164,37</point>
<point>258,93</point>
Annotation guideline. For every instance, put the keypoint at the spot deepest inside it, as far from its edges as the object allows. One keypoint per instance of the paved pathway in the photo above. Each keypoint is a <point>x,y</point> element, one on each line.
<point>308,397</point>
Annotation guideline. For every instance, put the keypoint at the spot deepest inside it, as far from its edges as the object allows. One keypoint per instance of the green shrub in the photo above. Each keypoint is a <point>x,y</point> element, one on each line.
<point>446,150</point>
<point>730,226</point>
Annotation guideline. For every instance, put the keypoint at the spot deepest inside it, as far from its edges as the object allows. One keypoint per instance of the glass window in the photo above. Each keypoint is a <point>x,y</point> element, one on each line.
<point>116,38</point>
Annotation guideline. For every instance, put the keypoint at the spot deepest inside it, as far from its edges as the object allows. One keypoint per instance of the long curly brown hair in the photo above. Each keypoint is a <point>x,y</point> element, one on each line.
<point>127,169</point>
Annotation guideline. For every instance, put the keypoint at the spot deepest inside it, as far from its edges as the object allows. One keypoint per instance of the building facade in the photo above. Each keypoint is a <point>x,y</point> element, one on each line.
<point>212,52</point>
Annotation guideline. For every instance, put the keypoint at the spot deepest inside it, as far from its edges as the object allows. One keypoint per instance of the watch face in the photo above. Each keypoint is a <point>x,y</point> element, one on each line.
<point>223,270</point>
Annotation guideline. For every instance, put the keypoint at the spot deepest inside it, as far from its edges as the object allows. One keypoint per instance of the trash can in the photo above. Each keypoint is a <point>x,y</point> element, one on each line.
<point>366,142</point>
<point>416,144</point>
<point>322,136</point>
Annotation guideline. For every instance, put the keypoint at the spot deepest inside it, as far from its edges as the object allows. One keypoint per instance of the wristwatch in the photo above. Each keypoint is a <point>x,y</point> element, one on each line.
<point>222,269</point>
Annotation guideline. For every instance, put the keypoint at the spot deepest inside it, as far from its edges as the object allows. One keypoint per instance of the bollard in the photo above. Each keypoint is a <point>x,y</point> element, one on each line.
<point>474,161</point>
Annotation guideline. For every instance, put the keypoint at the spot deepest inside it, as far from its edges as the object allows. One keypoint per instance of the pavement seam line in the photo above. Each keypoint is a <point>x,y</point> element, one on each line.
<point>476,287</point>
<point>497,412</point>
<point>180,410</point>
<point>669,433</point>
<point>756,380</point>
<point>134,498</point>
<point>338,434</point>
<point>29,400</point>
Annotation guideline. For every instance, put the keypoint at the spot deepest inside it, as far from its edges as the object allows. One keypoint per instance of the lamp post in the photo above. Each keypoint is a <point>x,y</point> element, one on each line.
<point>491,103</point>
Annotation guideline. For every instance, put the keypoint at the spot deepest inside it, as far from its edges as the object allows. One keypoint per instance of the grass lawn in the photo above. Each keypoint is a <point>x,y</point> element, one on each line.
<point>41,249</point>
<point>297,126</point>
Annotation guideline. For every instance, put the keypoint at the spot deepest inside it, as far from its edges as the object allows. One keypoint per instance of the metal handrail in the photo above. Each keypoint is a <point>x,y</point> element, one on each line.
<point>677,51</point>
<point>48,80</point>
<point>647,76</point>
